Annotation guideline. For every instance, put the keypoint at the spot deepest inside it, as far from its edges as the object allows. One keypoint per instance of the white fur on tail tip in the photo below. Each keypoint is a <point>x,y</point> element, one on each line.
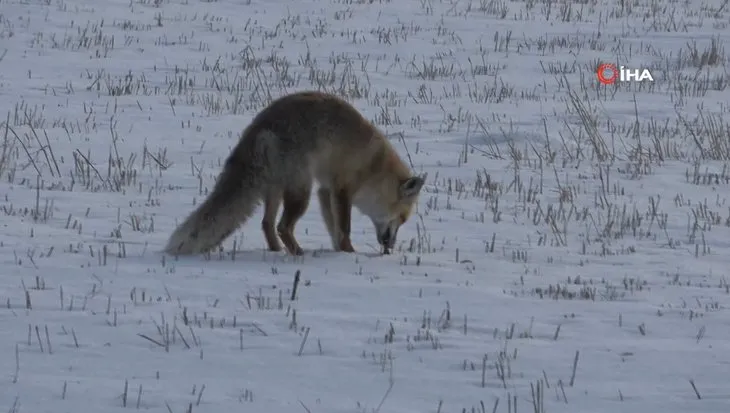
<point>184,241</point>
<point>197,234</point>
<point>212,222</point>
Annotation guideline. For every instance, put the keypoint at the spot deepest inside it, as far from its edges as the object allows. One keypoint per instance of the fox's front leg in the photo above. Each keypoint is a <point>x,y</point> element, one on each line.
<point>325,205</point>
<point>342,214</point>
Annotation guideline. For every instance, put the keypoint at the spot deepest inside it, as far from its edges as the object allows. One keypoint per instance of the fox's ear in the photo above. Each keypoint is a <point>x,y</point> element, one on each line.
<point>411,186</point>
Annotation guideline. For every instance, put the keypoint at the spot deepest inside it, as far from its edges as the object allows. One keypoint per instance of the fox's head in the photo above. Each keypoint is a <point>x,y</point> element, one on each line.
<point>389,206</point>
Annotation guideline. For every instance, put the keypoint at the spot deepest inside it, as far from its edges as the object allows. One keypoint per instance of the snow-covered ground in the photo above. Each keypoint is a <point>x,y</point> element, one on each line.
<point>570,251</point>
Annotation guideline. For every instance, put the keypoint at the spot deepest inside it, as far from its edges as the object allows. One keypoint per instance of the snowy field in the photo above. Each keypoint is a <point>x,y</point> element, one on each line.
<point>570,252</point>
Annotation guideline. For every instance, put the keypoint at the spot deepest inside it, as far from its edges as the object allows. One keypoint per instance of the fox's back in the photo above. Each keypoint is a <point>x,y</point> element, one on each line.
<point>315,120</point>
<point>312,132</point>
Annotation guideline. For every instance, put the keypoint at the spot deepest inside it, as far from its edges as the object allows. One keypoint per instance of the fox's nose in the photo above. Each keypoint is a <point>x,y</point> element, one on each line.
<point>385,237</point>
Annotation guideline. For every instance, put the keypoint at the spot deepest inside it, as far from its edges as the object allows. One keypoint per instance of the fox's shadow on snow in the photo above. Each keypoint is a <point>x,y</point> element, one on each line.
<point>264,255</point>
<point>330,253</point>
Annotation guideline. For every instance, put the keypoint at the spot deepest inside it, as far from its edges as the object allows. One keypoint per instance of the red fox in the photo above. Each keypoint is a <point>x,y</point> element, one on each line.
<point>297,139</point>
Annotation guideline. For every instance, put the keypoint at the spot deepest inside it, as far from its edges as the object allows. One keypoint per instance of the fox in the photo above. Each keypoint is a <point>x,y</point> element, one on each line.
<point>295,140</point>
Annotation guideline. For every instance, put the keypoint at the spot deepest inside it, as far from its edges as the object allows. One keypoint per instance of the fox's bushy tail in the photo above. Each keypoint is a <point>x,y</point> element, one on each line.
<point>233,200</point>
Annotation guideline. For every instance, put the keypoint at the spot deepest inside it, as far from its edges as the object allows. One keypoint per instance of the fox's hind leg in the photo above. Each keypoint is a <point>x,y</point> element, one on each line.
<point>325,204</point>
<point>271,210</point>
<point>296,202</point>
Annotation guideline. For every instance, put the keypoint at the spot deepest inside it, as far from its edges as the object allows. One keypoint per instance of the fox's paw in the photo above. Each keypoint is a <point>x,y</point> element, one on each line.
<point>292,247</point>
<point>346,245</point>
